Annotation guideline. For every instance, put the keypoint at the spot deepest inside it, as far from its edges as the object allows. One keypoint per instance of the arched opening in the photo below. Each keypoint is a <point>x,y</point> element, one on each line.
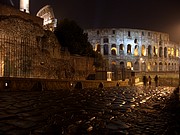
<point>160,66</point>
<point>121,49</point>
<point>155,51</point>
<point>169,52</point>
<point>177,53</point>
<point>165,66</point>
<point>172,52</point>
<point>136,66</point>
<point>149,51</point>
<point>149,66</point>
<point>129,65</point>
<point>154,66</point>
<point>136,49</point>
<point>106,52</point>
<point>143,66</point>
<point>135,41</point>
<point>143,50</point>
<point>165,52</point>
<point>169,67</point>
<point>113,49</point>
<point>128,49</point>
<point>160,51</point>
<point>122,65</point>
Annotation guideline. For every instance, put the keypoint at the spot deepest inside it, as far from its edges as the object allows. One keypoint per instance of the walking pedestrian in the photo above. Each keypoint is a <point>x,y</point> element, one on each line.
<point>144,80</point>
<point>156,81</point>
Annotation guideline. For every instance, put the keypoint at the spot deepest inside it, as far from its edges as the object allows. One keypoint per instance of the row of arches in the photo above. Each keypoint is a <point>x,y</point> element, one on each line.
<point>150,51</point>
<point>149,66</point>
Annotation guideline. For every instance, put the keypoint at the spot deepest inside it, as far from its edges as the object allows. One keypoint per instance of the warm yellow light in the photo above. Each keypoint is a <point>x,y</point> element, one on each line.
<point>169,51</point>
<point>143,50</point>
<point>129,65</point>
<point>177,53</point>
<point>149,66</point>
<point>172,51</point>
<point>114,48</point>
<point>136,52</point>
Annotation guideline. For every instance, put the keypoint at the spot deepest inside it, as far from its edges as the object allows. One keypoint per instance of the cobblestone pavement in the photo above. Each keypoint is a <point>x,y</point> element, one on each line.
<point>112,111</point>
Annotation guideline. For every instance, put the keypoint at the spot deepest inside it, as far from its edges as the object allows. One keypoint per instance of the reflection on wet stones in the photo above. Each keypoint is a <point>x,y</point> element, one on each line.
<point>117,110</point>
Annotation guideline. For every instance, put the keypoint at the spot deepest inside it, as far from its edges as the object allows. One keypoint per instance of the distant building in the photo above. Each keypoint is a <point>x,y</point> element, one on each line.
<point>135,50</point>
<point>24,6</point>
<point>49,21</point>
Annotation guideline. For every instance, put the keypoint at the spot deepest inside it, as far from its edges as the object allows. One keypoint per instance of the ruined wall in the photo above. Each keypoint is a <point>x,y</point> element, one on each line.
<point>26,49</point>
<point>29,51</point>
<point>10,11</point>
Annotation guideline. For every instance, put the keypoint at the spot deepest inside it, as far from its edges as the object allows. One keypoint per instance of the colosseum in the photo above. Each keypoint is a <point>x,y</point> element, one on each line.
<point>137,51</point>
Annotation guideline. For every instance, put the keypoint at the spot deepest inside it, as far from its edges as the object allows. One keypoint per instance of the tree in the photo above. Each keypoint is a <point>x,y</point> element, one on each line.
<point>70,35</point>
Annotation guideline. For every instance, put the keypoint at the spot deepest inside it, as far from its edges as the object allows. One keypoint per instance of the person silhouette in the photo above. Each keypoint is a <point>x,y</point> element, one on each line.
<point>144,80</point>
<point>156,81</point>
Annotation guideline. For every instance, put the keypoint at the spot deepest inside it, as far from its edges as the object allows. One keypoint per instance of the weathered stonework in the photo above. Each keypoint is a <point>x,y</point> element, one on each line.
<point>10,11</point>
<point>29,51</point>
<point>136,50</point>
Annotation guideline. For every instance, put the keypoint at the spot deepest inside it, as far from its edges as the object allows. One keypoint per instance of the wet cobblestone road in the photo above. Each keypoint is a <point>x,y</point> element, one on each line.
<point>112,111</point>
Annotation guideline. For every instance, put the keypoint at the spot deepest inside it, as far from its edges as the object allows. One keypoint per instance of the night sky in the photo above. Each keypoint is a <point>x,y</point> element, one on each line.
<point>158,15</point>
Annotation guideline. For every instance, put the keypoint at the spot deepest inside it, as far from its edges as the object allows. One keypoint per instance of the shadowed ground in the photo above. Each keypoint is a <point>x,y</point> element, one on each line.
<point>109,111</point>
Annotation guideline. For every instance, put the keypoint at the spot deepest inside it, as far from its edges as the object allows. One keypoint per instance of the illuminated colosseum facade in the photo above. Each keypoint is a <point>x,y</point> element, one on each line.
<point>140,51</point>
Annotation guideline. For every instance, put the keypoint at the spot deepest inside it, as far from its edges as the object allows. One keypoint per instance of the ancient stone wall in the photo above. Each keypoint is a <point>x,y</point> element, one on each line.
<point>10,11</point>
<point>29,51</point>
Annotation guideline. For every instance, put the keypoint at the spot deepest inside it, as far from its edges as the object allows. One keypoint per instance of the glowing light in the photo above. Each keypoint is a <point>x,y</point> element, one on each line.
<point>143,101</point>
<point>24,5</point>
<point>109,76</point>
<point>123,102</point>
<point>6,84</point>
<point>129,65</point>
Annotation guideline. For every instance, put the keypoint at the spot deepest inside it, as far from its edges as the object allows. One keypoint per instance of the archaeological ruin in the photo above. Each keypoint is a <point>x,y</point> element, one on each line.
<point>49,21</point>
<point>27,50</point>
<point>135,50</point>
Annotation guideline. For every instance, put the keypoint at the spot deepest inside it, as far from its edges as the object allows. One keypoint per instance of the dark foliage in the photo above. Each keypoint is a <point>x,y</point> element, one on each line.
<point>71,36</point>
